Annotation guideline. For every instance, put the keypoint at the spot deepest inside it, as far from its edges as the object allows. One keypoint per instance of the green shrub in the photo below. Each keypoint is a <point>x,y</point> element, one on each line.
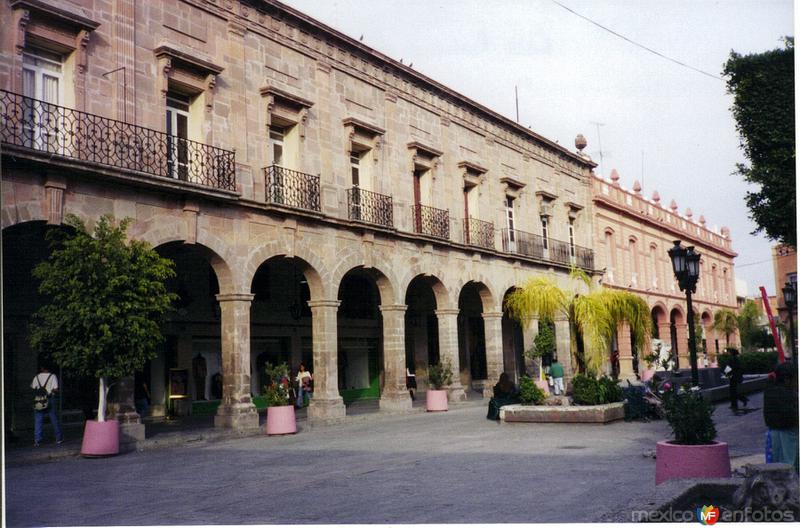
<point>440,375</point>
<point>752,362</point>
<point>529,393</point>
<point>586,390</point>
<point>276,394</point>
<point>612,392</point>
<point>689,416</point>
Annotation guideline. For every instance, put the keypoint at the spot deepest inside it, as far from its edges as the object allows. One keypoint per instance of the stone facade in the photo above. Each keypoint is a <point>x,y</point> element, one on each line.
<point>350,169</point>
<point>633,235</point>
<point>784,265</point>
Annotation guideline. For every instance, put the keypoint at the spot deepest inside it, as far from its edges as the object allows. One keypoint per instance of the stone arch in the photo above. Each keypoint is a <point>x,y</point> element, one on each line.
<point>440,291</point>
<point>17,213</point>
<point>221,267</point>
<point>488,299</point>
<point>384,278</point>
<point>660,311</point>
<point>312,266</point>
<point>679,313</point>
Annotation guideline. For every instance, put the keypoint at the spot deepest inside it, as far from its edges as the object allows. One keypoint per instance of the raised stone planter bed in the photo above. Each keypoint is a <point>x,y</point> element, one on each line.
<point>565,414</point>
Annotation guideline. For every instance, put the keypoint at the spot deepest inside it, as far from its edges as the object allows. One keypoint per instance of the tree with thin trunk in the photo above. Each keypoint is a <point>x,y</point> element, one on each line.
<point>594,313</point>
<point>107,298</point>
<point>725,321</point>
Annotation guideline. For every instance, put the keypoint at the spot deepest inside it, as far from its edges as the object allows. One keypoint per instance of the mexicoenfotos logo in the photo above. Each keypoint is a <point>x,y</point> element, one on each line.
<point>708,515</point>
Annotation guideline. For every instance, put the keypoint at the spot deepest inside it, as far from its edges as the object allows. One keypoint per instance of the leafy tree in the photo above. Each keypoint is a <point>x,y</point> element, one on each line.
<point>748,321</point>
<point>762,85</point>
<point>544,344</point>
<point>594,315</point>
<point>107,300</point>
<point>725,321</point>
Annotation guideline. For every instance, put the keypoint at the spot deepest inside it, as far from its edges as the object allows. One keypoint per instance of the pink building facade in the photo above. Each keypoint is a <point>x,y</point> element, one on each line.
<point>632,236</point>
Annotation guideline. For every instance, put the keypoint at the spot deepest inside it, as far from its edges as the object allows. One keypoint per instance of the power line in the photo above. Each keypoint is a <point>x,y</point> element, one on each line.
<point>637,44</point>
<point>753,263</point>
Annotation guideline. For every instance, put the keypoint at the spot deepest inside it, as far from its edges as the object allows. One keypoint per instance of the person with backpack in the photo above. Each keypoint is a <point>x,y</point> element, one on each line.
<point>44,385</point>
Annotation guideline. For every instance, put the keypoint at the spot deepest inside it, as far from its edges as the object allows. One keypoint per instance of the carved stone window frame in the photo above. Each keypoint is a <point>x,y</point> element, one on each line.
<point>513,187</point>
<point>545,200</point>
<point>287,106</point>
<point>187,72</point>
<point>473,174</point>
<point>573,209</point>
<point>424,156</point>
<point>55,29</point>
<point>363,134</point>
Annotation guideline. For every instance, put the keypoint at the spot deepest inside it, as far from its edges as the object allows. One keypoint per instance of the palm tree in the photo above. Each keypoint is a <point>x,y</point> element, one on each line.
<point>594,313</point>
<point>725,321</point>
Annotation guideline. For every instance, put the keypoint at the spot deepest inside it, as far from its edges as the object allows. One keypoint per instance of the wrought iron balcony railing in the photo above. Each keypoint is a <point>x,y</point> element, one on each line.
<point>478,233</point>
<point>291,188</point>
<point>528,244</point>
<point>431,221</point>
<point>370,207</point>
<point>41,126</point>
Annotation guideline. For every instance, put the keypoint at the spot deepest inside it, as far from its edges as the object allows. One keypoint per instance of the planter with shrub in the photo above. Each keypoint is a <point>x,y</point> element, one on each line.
<point>588,390</point>
<point>530,393</point>
<point>439,377</point>
<point>280,408</point>
<point>694,452</point>
<point>751,362</point>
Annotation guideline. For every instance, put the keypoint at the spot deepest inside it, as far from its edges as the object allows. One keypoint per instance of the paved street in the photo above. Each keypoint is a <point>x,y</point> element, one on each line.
<point>414,468</point>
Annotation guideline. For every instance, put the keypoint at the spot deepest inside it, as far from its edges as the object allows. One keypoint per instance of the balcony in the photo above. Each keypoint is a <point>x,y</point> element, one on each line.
<point>478,233</point>
<point>291,188</point>
<point>369,207</point>
<point>56,130</point>
<point>431,221</point>
<point>530,245</point>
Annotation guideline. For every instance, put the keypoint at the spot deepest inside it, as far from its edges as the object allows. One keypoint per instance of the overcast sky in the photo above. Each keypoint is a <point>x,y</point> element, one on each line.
<point>664,124</point>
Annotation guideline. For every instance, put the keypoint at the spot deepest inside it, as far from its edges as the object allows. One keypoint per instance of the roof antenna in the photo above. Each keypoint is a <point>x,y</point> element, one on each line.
<point>599,144</point>
<point>516,100</point>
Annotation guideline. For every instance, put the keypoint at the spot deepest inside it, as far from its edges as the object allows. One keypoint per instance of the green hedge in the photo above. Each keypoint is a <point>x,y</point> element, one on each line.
<point>588,390</point>
<point>752,362</point>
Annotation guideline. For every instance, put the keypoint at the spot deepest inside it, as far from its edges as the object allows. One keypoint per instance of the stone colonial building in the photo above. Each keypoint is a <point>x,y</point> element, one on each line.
<point>323,203</point>
<point>784,266</point>
<point>633,234</point>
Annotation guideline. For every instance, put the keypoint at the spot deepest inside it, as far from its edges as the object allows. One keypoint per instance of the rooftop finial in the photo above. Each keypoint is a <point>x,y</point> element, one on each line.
<point>673,205</point>
<point>637,187</point>
<point>656,197</point>
<point>702,220</point>
<point>615,177</point>
<point>580,143</point>
<point>688,213</point>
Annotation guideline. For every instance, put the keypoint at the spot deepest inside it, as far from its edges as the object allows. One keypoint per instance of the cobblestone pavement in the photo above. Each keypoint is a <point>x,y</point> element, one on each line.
<point>411,468</point>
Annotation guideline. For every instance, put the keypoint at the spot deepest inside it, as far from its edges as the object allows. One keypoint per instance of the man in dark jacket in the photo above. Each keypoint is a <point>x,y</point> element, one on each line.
<point>735,377</point>
<point>780,415</point>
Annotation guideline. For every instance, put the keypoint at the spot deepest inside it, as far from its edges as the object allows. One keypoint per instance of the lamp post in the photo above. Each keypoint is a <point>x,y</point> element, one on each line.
<point>790,300</point>
<point>686,266</point>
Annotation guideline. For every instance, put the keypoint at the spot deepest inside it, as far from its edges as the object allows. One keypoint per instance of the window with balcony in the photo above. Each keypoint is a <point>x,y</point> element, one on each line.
<point>276,135</point>
<point>42,82</point>
<point>177,128</point>
<point>545,236</point>
<point>571,228</point>
<point>512,234</point>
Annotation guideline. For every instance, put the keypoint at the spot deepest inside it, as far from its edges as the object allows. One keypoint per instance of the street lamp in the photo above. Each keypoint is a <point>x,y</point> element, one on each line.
<point>686,266</point>
<point>790,299</point>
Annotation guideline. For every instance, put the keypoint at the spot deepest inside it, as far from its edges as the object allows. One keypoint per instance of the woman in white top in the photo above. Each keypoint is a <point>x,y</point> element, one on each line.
<point>304,380</point>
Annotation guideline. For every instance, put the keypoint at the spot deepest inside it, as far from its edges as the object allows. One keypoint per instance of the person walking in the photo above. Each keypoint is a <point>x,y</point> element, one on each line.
<point>780,415</point>
<point>46,382</point>
<point>557,373</point>
<point>304,380</point>
<point>735,377</point>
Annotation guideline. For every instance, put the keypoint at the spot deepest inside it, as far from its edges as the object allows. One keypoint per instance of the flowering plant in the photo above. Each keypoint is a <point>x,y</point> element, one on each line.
<point>277,391</point>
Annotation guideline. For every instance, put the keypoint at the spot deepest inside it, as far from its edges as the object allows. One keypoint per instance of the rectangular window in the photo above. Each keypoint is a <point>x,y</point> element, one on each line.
<point>512,234</point>
<point>544,232</point>
<point>276,135</point>
<point>178,135</point>
<point>355,168</point>
<point>41,80</point>
<point>572,238</point>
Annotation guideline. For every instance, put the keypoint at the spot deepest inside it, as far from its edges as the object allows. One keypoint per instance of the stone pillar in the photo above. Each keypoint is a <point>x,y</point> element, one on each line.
<point>394,397</point>
<point>712,354</point>
<point>448,348</point>
<point>236,410</point>
<point>122,409</point>
<point>327,404</point>
<point>682,332</point>
<point>493,334</point>
<point>625,352</point>
<point>563,351</point>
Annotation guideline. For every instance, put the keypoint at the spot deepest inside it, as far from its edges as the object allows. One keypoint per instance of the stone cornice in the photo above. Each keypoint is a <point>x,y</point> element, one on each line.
<point>312,38</point>
<point>191,59</point>
<point>663,226</point>
<point>56,13</point>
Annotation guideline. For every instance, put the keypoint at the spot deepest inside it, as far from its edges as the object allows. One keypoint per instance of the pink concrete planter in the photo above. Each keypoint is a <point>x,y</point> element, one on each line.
<point>281,420</point>
<point>675,461</point>
<point>542,384</point>
<point>100,438</point>
<point>436,400</point>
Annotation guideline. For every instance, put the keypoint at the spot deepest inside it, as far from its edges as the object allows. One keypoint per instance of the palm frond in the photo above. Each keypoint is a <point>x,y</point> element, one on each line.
<point>539,297</point>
